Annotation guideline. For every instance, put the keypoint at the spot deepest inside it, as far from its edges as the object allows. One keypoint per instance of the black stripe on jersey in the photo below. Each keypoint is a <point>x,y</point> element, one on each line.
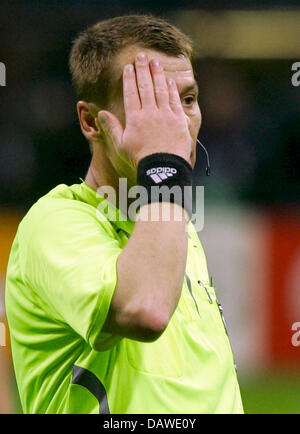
<point>87,379</point>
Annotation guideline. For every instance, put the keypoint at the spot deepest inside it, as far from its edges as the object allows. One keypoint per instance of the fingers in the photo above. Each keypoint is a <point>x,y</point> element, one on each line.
<point>130,92</point>
<point>111,126</point>
<point>160,86</point>
<point>146,86</point>
<point>174,98</point>
<point>144,81</point>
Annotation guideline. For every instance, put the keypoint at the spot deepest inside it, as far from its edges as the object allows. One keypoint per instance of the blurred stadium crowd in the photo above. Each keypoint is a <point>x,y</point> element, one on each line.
<point>250,115</point>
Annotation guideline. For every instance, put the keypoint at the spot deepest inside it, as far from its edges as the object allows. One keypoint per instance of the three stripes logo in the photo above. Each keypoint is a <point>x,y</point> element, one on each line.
<point>159,174</point>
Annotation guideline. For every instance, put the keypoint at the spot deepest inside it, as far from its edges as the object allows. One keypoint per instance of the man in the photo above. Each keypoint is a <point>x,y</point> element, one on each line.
<point>113,315</point>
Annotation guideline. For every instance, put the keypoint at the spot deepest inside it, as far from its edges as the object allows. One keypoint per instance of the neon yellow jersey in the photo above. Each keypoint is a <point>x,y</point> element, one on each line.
<point>61,278</point>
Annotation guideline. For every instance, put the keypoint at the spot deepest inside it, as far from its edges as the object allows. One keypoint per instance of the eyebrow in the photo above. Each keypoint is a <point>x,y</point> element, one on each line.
<point>193,86</point>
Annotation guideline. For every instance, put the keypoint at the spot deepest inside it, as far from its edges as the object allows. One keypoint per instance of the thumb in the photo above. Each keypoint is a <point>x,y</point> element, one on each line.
<point>111,126</point>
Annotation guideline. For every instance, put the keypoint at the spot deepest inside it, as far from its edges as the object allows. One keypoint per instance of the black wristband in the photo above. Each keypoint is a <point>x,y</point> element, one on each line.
<point>163,169</point>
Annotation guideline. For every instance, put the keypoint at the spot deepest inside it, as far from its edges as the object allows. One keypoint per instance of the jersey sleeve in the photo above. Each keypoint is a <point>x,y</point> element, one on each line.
<point>69,260</point>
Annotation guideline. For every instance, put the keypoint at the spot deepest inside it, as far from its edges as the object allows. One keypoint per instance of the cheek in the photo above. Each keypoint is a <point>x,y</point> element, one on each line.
<point>195,124</point>
<point>195,120</point>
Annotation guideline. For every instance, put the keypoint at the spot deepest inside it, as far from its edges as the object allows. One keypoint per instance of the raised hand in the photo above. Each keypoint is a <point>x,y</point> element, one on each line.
<point>155,119</point>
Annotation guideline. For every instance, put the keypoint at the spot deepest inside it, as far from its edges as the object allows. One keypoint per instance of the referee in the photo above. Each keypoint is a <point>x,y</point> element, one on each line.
<point>116,315</point>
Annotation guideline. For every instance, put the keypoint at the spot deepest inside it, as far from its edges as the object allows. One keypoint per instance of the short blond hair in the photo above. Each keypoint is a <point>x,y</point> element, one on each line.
<point>94,50</point>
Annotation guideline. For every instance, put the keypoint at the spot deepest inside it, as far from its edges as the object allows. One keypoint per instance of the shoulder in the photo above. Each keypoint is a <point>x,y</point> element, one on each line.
<point>62,209</point>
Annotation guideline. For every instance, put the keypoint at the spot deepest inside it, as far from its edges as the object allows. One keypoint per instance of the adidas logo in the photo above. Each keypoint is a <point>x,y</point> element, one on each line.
<point>158,174</point>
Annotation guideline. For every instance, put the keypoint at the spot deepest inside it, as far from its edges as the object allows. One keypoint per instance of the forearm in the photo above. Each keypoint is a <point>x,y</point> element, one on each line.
<point>150,274</point>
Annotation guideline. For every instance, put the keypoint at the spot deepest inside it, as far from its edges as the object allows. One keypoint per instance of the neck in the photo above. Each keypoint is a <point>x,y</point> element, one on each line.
<point>102,173</point>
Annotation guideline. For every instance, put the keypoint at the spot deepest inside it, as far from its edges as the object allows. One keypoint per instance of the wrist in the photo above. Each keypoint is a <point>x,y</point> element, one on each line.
<point>165,177</point>
<point>162,211</point>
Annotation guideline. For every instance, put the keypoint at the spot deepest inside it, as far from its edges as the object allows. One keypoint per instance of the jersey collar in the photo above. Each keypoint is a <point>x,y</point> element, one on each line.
<point>113,214</point>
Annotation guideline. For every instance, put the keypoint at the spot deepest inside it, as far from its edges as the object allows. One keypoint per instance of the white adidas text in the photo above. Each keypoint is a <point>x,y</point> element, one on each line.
<point>158,174</point>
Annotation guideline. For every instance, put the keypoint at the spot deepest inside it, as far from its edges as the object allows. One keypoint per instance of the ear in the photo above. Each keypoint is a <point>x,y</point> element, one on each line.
<point>87,112</point>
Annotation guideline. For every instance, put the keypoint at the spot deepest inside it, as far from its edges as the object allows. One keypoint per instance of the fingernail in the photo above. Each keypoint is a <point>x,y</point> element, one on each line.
<point>155,63</point>
<point>129,68</point>
<point>141,57</point>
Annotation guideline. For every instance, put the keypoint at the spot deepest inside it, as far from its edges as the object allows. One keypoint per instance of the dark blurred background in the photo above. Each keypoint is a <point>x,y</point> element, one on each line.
<point>250,109</point>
